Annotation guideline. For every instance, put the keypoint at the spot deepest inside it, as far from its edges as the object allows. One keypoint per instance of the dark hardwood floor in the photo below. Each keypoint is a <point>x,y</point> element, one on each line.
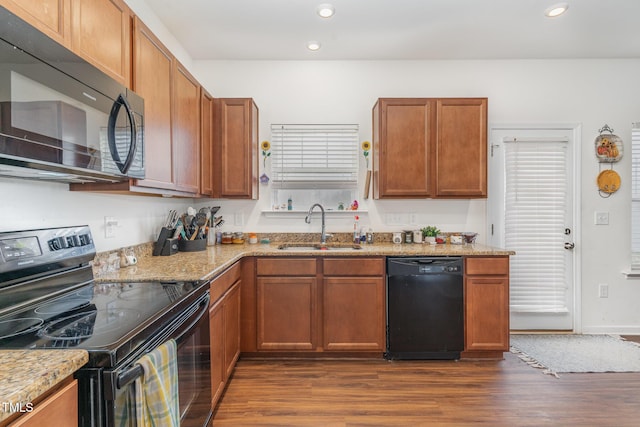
<point>423,393</point>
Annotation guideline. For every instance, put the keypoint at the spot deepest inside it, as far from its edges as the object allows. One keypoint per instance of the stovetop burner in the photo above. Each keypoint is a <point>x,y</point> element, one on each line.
<point>16,327</point>
<point>58,307</point>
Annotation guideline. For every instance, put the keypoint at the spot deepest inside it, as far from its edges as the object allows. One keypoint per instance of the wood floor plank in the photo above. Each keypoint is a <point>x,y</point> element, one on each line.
<point>350,393</point>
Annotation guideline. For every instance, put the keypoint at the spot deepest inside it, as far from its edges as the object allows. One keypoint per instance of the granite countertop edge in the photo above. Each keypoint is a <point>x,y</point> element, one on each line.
<point>27,374</point>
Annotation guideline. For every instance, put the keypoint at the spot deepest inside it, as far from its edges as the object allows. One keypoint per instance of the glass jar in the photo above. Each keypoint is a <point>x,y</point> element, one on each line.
<point>238,237</point>
<point>227,237</point>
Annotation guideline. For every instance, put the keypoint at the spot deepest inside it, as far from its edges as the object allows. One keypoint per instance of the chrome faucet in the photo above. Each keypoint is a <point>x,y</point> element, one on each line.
<point>323,234</point>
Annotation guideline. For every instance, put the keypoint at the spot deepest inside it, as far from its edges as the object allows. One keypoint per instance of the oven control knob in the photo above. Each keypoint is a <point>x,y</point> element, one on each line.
<point>73,241</point>
<point>84,239</point>
<point>57,244</point>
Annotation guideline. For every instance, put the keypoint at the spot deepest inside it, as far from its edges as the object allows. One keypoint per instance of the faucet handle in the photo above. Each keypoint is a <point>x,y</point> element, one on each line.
<point>328,235</point>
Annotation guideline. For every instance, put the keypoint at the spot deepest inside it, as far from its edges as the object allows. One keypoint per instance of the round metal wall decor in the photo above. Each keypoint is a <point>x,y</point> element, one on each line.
<point>609,147</point>
<point>608,182</point>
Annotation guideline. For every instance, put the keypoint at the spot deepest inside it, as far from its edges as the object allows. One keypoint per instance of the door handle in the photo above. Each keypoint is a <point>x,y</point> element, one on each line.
<point>569,245</point>
<point>111,134</point>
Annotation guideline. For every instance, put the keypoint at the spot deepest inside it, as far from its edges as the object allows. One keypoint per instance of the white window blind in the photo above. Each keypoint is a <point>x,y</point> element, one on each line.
<point>635,196</point>
<point>536,185</point>
<point>314,156</point>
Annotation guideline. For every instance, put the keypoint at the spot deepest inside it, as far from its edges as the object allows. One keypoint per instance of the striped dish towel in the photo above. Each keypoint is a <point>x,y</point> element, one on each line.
<point>157,403</point>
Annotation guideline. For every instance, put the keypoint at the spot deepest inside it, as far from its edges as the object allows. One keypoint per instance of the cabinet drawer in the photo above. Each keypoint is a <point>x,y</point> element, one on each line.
<point>59,409</point>
<point>286,266</point>
<point>487,266</point>
<point>220,284</point>
<point>353,266</point>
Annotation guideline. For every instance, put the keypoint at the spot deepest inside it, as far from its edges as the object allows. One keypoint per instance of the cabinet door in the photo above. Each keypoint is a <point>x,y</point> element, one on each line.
<point>237,148</point>
<point>186,130</point>
<point>152,79</point>
<point>58,410</point>
<point>401,143</point>
<point>52,17</point>
<point>487,313</point>
<point>101,33</point>
<point>354,316</point>
<point>218,368</point>
<point>461,148</point>
<point>286,313</point>
<point>206,144</point>
<point>232,328</point>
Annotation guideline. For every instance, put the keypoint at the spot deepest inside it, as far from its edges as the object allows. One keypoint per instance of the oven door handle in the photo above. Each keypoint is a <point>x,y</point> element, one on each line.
<point>136,371</point>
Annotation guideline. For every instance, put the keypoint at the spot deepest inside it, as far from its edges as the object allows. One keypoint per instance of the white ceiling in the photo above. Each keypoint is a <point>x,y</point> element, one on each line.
<point>402,29</point>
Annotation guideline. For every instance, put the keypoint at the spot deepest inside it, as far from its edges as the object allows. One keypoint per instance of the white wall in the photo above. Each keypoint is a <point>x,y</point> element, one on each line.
<point>589,92</point>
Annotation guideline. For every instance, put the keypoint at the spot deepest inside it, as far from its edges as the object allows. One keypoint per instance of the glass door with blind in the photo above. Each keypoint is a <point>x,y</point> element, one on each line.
<point>532,212</point>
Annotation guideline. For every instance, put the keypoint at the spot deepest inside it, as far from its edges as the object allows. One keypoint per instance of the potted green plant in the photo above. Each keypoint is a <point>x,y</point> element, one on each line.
<point>429,233</point>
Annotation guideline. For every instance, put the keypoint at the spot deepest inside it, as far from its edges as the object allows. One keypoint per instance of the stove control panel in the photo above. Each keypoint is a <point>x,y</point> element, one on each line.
<point>71,241</point>
<point>30,248</point>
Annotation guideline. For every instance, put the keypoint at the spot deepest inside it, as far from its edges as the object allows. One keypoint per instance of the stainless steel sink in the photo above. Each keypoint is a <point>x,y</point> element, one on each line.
<point>318,247</point>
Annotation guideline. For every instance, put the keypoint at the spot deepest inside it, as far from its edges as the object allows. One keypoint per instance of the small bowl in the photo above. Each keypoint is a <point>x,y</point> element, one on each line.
<point>469,237</point>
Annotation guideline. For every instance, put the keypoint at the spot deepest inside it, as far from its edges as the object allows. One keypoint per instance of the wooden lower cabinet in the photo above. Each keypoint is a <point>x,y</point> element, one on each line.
<point>354,315</point>
<point>224,324</point>
<point>486,290</point>
<point>60,409</point>
<point>320,305</point>
<point>286,313</point>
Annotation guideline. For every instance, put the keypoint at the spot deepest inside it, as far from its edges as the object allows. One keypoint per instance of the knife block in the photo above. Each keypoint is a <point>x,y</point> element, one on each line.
<point>166,244</point>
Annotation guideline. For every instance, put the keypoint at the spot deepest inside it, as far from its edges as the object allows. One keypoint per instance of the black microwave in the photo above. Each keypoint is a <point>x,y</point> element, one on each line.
<point>61,118</point>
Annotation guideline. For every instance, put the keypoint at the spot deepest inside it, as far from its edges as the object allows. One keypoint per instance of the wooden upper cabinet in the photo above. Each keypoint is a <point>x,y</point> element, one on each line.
<point>52,17</point>
<point>101,34</point>
<point>186,130</point>
<point>206,141</point>
<point>152,79</point>
<point>425,147</point>
<point>401,142</point>
<point>236,148</point>
<point>461,148</point>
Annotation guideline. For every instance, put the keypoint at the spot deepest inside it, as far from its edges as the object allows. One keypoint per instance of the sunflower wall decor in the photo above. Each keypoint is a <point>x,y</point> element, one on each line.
<point>266,153</point>
<point>366,146</point>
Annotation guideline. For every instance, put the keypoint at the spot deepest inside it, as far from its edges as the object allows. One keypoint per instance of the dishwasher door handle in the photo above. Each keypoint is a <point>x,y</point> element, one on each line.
<point>413,262</point>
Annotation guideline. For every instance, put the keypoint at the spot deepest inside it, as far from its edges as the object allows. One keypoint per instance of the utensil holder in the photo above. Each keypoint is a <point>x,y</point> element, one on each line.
<point>192,245</point>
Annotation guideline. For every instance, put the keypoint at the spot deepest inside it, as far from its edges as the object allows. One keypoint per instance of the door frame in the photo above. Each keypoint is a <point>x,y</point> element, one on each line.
<point>576,131</point>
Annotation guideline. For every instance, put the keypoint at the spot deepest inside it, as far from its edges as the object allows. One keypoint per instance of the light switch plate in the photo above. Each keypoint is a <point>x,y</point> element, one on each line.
<point>601,218</point>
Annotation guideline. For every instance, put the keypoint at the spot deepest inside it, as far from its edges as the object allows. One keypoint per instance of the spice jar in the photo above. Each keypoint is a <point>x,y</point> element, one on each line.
<point>238,237</point>
<point>227,237</point>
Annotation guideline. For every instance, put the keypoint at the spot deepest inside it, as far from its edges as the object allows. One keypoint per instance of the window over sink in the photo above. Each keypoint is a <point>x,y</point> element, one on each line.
<point>314,164</point>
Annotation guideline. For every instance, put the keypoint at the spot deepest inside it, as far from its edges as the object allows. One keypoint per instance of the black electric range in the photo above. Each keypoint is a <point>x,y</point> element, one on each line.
<point>49,300</point>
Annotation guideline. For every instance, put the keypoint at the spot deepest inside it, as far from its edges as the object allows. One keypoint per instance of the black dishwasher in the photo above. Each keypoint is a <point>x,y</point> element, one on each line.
<point>425,309</point>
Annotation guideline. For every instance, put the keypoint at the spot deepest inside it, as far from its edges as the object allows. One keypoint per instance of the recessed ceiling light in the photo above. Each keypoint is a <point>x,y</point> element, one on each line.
<point>313,45</point>
<point>556,10</point>
<point>325,10</point>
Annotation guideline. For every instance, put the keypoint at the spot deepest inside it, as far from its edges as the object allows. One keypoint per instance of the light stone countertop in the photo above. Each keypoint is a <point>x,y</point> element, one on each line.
<point>207,264</point>
<point>27,374</point>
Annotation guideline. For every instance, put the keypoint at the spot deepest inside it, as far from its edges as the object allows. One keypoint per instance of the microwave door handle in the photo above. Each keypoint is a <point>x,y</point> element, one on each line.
<point>111,134</point>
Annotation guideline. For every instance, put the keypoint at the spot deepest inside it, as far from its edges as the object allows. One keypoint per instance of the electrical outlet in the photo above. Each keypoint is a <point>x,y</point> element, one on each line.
<point>603,290</point>
<point>601,218</point>
<point>238,219</point>
<point>110,224</point>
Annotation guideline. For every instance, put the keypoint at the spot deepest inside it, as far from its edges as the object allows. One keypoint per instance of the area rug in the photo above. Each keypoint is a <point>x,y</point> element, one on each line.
<point>577,353</point>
